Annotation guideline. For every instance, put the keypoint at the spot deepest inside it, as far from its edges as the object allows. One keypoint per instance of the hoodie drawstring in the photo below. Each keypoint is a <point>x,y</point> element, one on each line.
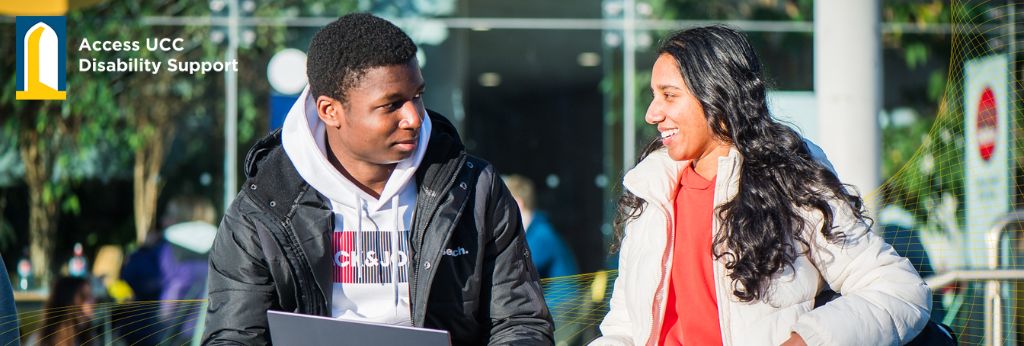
<point>359,231</point>
<point>395,241</point>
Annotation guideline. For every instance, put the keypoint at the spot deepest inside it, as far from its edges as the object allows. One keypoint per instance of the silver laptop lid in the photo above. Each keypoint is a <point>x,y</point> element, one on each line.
<point>296,329</point>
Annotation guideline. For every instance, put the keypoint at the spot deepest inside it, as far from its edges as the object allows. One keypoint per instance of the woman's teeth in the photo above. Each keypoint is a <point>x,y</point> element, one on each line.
<point>669,133</point>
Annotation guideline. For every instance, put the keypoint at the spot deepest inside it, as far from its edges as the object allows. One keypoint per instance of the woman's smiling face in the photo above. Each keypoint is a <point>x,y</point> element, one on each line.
<point>678,114</point>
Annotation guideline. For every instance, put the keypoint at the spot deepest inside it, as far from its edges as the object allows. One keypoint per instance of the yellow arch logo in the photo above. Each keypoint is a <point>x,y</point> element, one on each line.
<point>41,58</point>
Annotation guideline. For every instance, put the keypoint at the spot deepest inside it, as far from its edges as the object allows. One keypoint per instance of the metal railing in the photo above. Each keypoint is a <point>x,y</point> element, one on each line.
<point>993,277</point>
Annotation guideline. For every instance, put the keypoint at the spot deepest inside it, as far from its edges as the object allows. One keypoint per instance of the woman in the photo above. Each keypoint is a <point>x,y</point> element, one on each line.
<point>68,315</point>
<point>729,227</point>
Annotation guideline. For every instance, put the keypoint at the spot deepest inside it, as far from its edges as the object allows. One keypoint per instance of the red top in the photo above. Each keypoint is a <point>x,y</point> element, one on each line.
<point>691,314</point>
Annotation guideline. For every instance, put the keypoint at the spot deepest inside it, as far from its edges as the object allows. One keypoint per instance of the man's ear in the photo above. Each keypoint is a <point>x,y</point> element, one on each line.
<point>330,111</point>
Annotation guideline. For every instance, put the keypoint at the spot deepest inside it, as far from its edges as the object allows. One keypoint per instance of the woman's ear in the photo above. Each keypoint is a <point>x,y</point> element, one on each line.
<point>330,111</point>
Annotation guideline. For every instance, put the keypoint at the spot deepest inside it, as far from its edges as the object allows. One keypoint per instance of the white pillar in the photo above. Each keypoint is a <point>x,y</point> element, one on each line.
<point>847,82</point>
<point>629,86</point>
<point>231,110</point>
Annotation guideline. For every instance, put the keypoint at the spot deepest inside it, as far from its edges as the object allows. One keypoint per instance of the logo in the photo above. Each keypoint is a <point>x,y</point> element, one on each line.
<point>42,58</point>
<point>371,257</point>
<point>459,251</point>
<point>987,124</point>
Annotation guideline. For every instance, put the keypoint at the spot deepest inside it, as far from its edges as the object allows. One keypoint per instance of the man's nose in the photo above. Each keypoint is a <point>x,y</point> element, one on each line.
<point>410,116</point>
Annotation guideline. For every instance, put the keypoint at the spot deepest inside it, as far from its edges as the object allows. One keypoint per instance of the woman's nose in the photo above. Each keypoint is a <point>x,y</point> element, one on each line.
<point>653,115</point>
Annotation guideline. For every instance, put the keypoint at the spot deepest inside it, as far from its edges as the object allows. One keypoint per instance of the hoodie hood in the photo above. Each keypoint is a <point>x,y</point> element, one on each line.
<point>304,136</point>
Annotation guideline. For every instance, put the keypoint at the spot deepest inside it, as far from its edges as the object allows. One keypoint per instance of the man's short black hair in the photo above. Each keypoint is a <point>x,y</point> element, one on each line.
<point>341,52</point>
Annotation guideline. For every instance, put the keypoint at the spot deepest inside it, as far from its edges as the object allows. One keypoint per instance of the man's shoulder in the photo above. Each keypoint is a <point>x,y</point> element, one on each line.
<point>271,178</point>
<point>483,166</point>
<point>482,171</point>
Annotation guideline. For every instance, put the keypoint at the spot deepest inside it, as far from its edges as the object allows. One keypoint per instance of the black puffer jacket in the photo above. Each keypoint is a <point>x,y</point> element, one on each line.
<point>273,251</point>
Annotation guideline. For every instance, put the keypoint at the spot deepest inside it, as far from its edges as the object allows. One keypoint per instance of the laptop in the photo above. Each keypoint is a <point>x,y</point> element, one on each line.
<point>296,329</point>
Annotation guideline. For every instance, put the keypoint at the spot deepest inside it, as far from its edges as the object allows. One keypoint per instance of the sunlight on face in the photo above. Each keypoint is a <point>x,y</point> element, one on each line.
<point>678,114</point>
<point>383,114</point>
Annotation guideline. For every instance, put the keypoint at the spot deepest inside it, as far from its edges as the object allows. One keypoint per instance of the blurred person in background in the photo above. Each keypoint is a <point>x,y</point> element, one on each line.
<point>189,232</point>
<point>106,273</point>
<point>184,262</point>
<point>172,266</point>
<point>729,228</point>
<point>551,256</point>
<point>68,315</point>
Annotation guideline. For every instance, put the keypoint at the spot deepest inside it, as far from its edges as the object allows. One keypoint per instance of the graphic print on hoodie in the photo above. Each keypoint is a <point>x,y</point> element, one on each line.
<point>371,235</point>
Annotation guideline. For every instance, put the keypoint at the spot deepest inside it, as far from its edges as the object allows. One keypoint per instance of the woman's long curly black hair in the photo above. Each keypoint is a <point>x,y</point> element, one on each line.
<point>778,175</point>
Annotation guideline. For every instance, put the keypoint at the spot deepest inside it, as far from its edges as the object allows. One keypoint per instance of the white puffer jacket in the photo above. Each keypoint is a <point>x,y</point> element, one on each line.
<point>884,300</point>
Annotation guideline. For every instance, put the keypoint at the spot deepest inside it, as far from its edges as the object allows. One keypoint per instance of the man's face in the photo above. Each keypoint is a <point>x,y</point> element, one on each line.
<point>380,123</point>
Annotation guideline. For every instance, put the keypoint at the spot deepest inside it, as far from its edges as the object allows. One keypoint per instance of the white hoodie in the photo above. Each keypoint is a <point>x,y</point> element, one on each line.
<point>371,235</point>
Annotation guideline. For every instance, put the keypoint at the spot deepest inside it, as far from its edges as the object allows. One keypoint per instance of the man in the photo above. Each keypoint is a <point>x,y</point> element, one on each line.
<point>551,256</point>
<point>366,207</point>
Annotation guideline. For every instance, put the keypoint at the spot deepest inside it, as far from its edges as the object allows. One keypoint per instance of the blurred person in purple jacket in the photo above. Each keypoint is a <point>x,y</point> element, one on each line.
<point>171,266</point>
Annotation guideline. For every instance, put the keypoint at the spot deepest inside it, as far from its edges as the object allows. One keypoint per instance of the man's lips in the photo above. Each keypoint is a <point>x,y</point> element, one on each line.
<point>408,144</point>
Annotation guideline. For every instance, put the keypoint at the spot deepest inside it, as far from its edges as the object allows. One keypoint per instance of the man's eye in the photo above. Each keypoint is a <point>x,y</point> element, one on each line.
<point>394,106</point>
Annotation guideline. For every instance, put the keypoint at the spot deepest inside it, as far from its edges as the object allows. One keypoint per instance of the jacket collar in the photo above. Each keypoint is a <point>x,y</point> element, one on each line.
<point>445,146</point>
<point>656,178</point>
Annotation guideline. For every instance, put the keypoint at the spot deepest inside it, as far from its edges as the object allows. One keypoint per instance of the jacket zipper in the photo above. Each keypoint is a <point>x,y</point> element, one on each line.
<point>722,301</point>
<point>666,261</point>
<point>421,237</point>
<point>723,297</point>
<point>307,288</point>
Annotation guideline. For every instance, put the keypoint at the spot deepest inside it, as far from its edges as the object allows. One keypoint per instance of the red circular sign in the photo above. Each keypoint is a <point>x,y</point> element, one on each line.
<point>987,123</point>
